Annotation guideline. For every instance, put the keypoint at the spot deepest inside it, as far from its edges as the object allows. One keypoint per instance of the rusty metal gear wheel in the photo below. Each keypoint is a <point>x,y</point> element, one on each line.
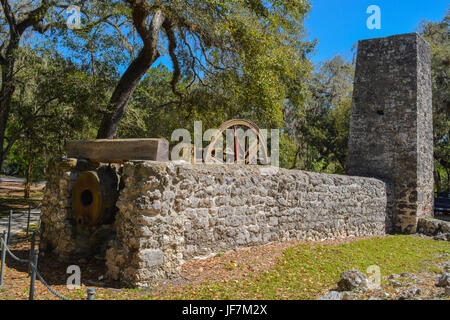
<point>249,152</point>
<point>94,196</point>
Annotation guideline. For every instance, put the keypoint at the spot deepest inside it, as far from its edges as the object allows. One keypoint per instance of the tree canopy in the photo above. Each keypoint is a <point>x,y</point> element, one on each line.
<point>141,68</point>
<point>256,47</point>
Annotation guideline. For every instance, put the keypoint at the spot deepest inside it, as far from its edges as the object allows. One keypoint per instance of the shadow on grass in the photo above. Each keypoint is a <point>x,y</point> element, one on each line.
<point>17,204</point>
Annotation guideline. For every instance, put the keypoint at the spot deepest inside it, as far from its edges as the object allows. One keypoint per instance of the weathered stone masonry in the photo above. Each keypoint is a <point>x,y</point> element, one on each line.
<point>59,232</point>
<point>172,212</point>
<point>56,227</point>
<point>169,212</point>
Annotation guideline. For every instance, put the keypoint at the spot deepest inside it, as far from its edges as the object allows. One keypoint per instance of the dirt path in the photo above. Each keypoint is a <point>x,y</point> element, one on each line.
<point>12,198</point>
<point>19,222</point>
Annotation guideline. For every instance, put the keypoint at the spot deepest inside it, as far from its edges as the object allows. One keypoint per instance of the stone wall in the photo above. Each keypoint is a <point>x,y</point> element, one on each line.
<point>56,228</point>
<point>439,229</point>
<point>391,130</point>
<point>173,212</point>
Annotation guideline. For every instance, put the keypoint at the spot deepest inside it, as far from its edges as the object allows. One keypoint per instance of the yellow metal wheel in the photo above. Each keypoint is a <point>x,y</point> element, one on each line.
<point>87,199</point>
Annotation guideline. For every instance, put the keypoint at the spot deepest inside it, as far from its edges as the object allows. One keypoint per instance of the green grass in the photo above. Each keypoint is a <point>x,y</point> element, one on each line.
<point>33,227</point>
<point>304,271</point>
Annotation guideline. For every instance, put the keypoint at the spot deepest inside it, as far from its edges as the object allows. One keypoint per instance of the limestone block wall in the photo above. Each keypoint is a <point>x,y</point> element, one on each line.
<point>56,229</point>
<point>425,148</point>
<point>172,212</point>
<point>59,231</point>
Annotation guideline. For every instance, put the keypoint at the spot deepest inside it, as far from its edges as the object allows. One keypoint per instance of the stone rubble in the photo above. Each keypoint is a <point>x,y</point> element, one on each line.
<point>351,280</point>
<point>422,287</point>
<point>409,293</point>
<point>443,280</point>
<point>439,229</point>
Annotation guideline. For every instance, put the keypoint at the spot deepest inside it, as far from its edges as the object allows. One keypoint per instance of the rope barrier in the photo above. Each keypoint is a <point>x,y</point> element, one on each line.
<point>13,256</point>
<point>26,212</point>
<point>34,269</point>
<point>45,283</point>
<point>15,217</point>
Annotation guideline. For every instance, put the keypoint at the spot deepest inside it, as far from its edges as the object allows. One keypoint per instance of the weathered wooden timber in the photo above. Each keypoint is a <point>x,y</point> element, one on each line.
<point>119,150</point>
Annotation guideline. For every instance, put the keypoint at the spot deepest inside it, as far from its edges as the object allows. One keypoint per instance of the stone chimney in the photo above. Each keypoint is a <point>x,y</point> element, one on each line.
<point>391,128</point>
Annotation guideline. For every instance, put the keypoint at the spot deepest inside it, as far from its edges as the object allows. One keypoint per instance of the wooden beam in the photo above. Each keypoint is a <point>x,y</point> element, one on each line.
<point>119,150</point>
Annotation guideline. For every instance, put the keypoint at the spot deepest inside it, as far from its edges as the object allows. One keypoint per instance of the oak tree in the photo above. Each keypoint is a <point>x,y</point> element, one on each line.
<point>259,44</point>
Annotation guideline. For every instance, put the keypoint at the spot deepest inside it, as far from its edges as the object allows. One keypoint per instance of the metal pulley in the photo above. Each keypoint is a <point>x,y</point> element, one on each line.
<point>94,196</point>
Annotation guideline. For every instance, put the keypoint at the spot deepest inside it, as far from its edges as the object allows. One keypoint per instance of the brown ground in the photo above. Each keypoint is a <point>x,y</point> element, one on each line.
<point>238,263</point>
<point>17,282</point>
<point>222,267</point>
<point>230,265</point>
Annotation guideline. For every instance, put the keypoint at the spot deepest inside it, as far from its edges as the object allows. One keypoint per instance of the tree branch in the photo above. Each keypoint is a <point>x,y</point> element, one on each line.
<point>33,18</point>
<point>137,69</point>
<point>9,15</point>
<point>11,142</point>
<point>128,46</point>
<point>141,10</point>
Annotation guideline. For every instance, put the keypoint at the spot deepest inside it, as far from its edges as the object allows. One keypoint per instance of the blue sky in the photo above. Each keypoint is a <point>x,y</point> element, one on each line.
<point>339,24</point>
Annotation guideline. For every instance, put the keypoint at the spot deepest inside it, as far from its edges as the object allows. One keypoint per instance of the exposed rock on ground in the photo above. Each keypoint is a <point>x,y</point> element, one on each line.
<point>423,285</point>
<point>409,293</point>
<point>443,280</point>
<point>351,280</point>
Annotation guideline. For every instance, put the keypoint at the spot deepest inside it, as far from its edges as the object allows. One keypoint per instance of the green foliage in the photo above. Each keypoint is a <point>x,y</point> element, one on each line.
<point>436,33</point>
<point>320,126</point>
<point>238,59</point>
<point>287,151</point>
<point>244,61</point>
<point>55,101</point>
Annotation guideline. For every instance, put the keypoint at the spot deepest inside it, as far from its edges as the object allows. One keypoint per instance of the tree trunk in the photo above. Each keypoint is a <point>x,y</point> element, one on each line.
<point>294,164</point>
<point>6,93</point>
<point>17,25</point>
<point>448,179</point>
<point>437,180</point>
<point>133,75</point>
<point>28,180</point>
<point>121,95</point>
